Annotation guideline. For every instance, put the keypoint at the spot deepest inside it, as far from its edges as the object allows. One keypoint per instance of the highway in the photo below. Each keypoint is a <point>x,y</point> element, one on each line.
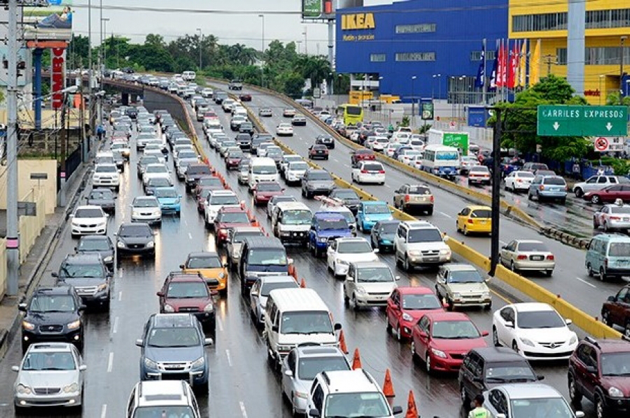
<point>241,383</point>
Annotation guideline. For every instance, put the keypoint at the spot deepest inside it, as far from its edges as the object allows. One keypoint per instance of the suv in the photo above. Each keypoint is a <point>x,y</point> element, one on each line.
<point>414,196</point>
<point>594,183</point>
<point>325,227</point>
<point>235,85</point>
<point>184,292</point>
<point>261,256</point>
<point>369,283</point>
<point>347,393</point>
<point>173,398</point>
<point>419,243</point>
<point>548,187</point>
<point>462,285</point>
<point>89,276</point>
<point>52,314</point>
<point>317,182</point>
<point>193,173</point>
<point>600,371</point>
<point>369,213</point>
<point>172,347</point>
<point>616,310</point>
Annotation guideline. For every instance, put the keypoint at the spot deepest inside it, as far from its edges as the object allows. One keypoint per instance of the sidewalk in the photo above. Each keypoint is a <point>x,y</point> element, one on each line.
<point>31,270</point>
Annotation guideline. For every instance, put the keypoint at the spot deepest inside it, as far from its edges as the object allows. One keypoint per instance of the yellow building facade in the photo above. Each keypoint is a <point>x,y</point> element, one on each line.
<point>607,41</point>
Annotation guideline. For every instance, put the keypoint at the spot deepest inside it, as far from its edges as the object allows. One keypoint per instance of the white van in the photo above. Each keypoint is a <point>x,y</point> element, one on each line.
<point>294,317</point>
<point>189,75</point>
<point>261,169</point>
<point>291,221</point>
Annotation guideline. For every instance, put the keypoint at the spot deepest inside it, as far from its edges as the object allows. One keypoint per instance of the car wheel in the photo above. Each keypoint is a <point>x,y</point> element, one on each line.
<point>406,266</point>
<point>414,355</point>
<point>355,305</point>
<point>595,199</point>
<point>495,337</point>
<point>388,327</point>
<point>464,396</point>
<point>606,229</point>
<point>589,269</point>
<point>595,225</point>
<point>606,318</point>
<point>574,395</point>
<point>398,333</point>
<point>626,330</point>
<point>529,196</point>
<point>579,192</point>
<point>465,230</point>
<point>449,304</point>
<point>602,274</point>
<point>600,407</point>
<point>515,346</point>
<point>513,267</point>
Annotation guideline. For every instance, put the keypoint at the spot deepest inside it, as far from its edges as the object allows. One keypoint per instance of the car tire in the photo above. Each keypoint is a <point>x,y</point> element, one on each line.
<point>601,410</point>
<point>406,266</point>
<point>602,274</point>
<point>355,305</point>
<point>463,395</point>
<point>515,347</point>
<point>606,228</point>
<point>579,192</point>
<point>595,199</point>
<point>465,230</point>
<point>606,318</point>
<point>626,330</point>
<point>450,306</point>
<point>495,337</point>
<point>513,267</point>
<point>574,395</point>
<point>589,270</point>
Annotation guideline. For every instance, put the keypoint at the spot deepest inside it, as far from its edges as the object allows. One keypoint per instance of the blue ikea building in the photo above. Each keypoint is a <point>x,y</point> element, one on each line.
<point>421,48</point>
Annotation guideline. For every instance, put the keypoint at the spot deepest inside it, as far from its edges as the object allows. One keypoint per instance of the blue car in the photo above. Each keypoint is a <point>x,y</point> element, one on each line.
<point>170,200</point>
<point>370,213</point>
<point>326,226</point>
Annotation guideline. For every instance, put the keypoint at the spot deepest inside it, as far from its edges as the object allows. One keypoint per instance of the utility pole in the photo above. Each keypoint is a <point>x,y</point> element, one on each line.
<point>90,69</point>
<point>305,41</point>
<point>550,59</point>
<point>496,192</point>
<point>100,64</point>
<point>262,51</point>
<point>12,239</point>
<point>200,46</point>
<point>621,50</point>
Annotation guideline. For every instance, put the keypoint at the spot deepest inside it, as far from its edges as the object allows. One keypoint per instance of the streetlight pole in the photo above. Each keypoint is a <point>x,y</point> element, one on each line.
<point>262,50</point>
<point>200,44</point>
<point>305,41</point>
<point>621,50</point>
<point>438,76</point>
<point>104,21</point>
<point>90,69</point>
<point>413,99</point>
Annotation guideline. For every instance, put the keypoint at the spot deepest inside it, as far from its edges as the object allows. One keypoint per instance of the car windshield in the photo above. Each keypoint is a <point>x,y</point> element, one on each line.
<point>346,195</point>
<point>296,217</point>
<point>186,155</point>
<point>532,246</point>
<point>239,237</point>
<point>419,190</point>
<point>367,404</point>
<point>235,154</point>
<point>424,235</point>
<point>234,217</point>
<point>106,169</point>
<point>267,257</point>
<point>48,361</point>
<point>264,169</point>
<point>101,195</point>
<point>446,155</point>
<point>615,364</point>
<point>354,247</point>
<point>167,411</point>
<point>319,176</point>
<point>149,159</point>
<point>223,200</point>
<point>88,213</point>
<point>620,209</point>
<point>509,372</point>
<point>187,290</point>
<point>268,187</point>
<point>205,262</point>
<point>298,166</point>
<point>464,276</point>
<point>306,322</point>
<point>309,367</point>
<point>454,330</point>
<point>93,245</point>
<point>325,224</point>
<point>619,249</point>
<point>209,181</point>
<point>375,274</point>
<point>198,169</point>
<point>539,319</point>
<point>373,167</point>
<point>479,169</point>
<point>173,337</point>
<point>268,287</point>
<point>541,407</point>
<point>376,209</point>
<point>420,302</point>
<point>166,193</point>
<point>273,152</point>
<point>52,303</point>
<point>134,231</point>
<point>90,271</point>
<point>388,228</point>
<point>145,203</point>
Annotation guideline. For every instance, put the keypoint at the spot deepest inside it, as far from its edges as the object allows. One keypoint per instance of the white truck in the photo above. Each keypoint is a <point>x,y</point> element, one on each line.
<point>457,140</point>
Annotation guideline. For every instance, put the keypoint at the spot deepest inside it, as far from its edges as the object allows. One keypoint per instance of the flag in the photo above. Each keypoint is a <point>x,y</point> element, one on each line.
<point>495,69</point>
<point>505,56</point>
<point>522,67</point>
<point>481,72</point>
<point>534,65</point>
<point>500,66</point>
<point>512,65</point>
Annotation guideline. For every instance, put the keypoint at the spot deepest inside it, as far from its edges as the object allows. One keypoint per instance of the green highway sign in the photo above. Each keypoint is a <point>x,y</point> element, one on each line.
<point>456,139</point>
<point>562,120</point>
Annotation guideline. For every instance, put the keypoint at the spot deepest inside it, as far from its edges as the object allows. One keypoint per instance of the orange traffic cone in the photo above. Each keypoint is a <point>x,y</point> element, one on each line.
<point>388,387</point>
<point>356,361</point>
<point>412,411</point>
<point>294,274</point>
<point>342,343</point>
<point>303,283</point>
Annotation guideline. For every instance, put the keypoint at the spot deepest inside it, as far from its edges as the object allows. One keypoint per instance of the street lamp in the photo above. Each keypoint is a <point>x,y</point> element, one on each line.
<point>439,79</point>
<point>262,50</point>
<point>200,40</point>
<point>601,76</point>
<point>305,41</point>
<point>627,83</point>
<point>413,100</point>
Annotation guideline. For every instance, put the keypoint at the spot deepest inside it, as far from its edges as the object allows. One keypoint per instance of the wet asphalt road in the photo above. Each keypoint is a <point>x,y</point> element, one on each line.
<point>241,383</point>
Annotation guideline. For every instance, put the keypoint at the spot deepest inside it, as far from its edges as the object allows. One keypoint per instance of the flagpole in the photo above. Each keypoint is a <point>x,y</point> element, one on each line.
<point>484,84</point>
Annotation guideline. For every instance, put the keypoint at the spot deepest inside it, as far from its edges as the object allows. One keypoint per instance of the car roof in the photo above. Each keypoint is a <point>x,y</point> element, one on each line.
<point>609,345</point>
<point>373,203</point>
<point>349,381</point>
<point>328,215</point>
<point>352,239</point>
<point>530,390</point>
<point>179,276</point>
<point>316,350</point>
<point>173,320</point>
<point>498,354</point>
<point>532,307</point>
<point>419,224</point>
<point>83,258</point>
<point>162,392</point>
<point>263,242</point>
<point>475,207</point>
<point>368,264</point>
<point>53,347</point>
<point>459,267</point>
<point>202,254</point>
<point>447,316</point>
<point>291,205</point>
<point>87,207</point>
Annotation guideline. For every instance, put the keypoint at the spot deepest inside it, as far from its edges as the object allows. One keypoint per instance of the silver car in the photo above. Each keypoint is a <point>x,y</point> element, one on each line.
<point>235,239</point>
<point>51,374</point>
<point>275,200</point>
<point>528,255</point>
<point>612,217</point>
<point>300,367</point>
<point>527,400</point>
<point>260,293</point>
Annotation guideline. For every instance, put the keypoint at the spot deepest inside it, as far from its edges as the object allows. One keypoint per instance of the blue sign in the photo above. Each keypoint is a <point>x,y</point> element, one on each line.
<point>478,116</point>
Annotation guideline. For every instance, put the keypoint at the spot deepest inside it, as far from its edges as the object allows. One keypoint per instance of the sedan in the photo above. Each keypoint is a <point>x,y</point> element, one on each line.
<point>534,330</point>
<point>521,255</point>
<point>261,288</point>
<point>233,159</point>
<point>135,239</point>
<point>609,194</point>
<point>319,151</point>
<point>104,198</point>
<point>288,112</point>
<point>244,97</point>
<point>466,163</point>
<point>383,234</point>
<point>88,220</point>
<point>406,305</point>
<point>518,181</point>
<point>265,112</point>
<point>298,120</point>
<point>368,172</point>
<point>97,244</point>
<point>327,140</point>
<point>275,200</point>
<point>479,174</point>
<point>284,129</point>
<point>265,190</point>
<point>342,251</point>
<point>146,209</point>
<point>612,217</point>
<point>361,155</point>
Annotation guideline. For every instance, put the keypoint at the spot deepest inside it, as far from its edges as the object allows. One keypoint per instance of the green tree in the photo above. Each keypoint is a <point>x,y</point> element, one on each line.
<point>315,68</point>
<point>615,99</point>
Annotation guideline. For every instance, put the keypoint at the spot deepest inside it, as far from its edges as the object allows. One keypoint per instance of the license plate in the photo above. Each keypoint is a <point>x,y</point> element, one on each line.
<point>432,258</point>
<point>481,221</point>
<point>537,257</point>
<point>626,219</point>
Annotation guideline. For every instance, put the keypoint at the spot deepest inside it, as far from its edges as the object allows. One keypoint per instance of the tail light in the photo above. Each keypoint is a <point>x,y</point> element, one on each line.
<point>566,188</point>
<point>519,180</point>
<point>364,171</point>
<point>470,221</point>
<point>432,199</point>
<point>407,198</point>
<point>551,257</point>
<point>521,257</point>
<point>381,171</point>
<point>615,218</point>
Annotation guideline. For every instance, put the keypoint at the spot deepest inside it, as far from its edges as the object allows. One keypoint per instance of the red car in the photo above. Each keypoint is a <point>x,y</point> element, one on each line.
<point>245,97</point>
<point>208,183</point>
<point>233,159</point>
<point>183,292</point>
<point>318,151</point>
<point>265,190</point>
<point>609,194</point>
<point>442,339</point>
<point>405,307</point>
<point>227,218</point>
<point>362,155</point>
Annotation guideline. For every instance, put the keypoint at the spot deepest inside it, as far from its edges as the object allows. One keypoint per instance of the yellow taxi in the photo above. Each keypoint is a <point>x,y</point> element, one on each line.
<point>475,219</point>
<point>209,265</point>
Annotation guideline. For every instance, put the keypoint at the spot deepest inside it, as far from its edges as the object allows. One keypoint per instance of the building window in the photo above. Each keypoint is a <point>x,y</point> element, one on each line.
<point>476,55</point>
<point>378,57</point>
<point>598,55</point>
<point>561,54</point>
<point>415,56</point>
<point>419,28</point>
<point>616,18</point>
<point>595,19</point>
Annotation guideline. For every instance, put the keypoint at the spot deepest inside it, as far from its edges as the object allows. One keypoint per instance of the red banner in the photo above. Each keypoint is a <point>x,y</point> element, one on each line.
<point>57,77</point>
<point>511,79</point>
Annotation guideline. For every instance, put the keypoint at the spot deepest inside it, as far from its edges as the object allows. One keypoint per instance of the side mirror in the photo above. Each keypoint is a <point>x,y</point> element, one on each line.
<point>139,342</point>
<point>22,307</point>
<point>160,294</point>
<point>274,328</point>
<point>484,333</point>
<point>397,410</point>
<point>82,368</point>
<point>540,377</point>
<point>504,247</point>
<point>208,341</point>
<point>54,274</point>
<point>337,326</point>
<point>82,308</point>
<point>314,413</point>
<point>181,266</point>
<point>568,321</point>
<point>611,298</point>
<point>509,324</point>
<point>376,250</point>
<point>15,368</point>
<point>397,278</point>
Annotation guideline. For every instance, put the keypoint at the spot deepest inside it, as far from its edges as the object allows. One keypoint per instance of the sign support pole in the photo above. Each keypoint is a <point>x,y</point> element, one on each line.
<point>496,192</point>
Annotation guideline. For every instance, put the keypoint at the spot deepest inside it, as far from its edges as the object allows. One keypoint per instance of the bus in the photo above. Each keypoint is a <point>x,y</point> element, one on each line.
<point>350,114</point>
<point>441,160</point>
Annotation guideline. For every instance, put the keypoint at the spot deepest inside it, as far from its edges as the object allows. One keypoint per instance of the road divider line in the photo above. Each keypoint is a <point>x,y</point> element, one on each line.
<point>243,410</point>
<point>586,283</point>
<point>446,214</point>
<point>115,328</point>
<point>229,358</point>
<point>110,362</point>
<point>189,235</point>
<point>104,410</point>
<point>220,324</point>
<point>120,272</point>
<point>119,296</point>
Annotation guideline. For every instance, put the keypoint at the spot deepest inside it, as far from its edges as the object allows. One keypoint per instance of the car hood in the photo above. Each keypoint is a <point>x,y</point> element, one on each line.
<point>323,184</point>
<point>51,317</point>
<point>416,314</point>
<point>207,273</point>
<point>179,302</point>
<point>48,378</point>
<point>462,346</point>
<point>546,334</point>
<point>620,382</point>
<point>83,281</point>
<point>328,233</point>
<point>88,220</point>
<point>377,287</point>
<point>168,200</point>
<point>468,287</point>
<point>378,216</point>
<point>135,240</point>
<point>387,237</point>
<point>173,353</point>
<point>358,257</point>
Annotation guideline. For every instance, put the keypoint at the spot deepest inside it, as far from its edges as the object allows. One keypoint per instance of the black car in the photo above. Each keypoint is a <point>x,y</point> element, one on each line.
<point>327,140</point>
<point>132,112</point>
<point>89,276</point>
<point>52,314</point>
<point>155,182</point>
<point>383,234</point>
<point>487,367</point>
<point>193,173</point>
<point>348,197</point>
<point>135,238</point>
<point>258,139</point>
<point>244,140</point>
<point>247,128</point>
<point>97,244</point>
<point>105,198</point>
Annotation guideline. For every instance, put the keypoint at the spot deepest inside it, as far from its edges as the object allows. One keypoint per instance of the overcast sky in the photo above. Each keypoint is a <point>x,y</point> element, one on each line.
<point>229,28</point>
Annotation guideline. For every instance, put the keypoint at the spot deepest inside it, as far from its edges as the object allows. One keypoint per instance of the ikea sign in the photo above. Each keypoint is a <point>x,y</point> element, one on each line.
<point>357,21</point>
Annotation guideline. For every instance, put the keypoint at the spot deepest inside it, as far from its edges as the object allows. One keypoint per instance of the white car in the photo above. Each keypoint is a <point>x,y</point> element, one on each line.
<point>87,220</point>
<point>406,155</point>
<point>417,144</point>
<point>369,172</point>
<point>369,283</point>
<point>295,171</point>
<point>479,174</point>
<point>284,129</point>
<point>467,162</point>
<point>261,151</point>
<point>380,142</point>
<point>146,209</point>
<point>216,200</point>
<point>158,154</point>
<point>106,175</point>
<point>287,159</point>
<point>391,149</point>
<point>519,181</point>
<point>155,170</point>
<point>416,162</point>
<point>534,330</point>
<point>342,251</point>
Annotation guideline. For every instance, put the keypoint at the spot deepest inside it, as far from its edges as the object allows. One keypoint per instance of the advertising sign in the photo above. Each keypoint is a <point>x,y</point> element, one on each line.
<point>477,116</point>
<point>52,23</point>
<point>458,140</point>
<point>427,110</point>
<point>57,76</point>
<point>326,9</point>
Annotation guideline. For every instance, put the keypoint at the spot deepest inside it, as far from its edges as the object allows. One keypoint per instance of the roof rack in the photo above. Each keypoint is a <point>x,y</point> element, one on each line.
<point>591,340</point>
<point>328,201</point>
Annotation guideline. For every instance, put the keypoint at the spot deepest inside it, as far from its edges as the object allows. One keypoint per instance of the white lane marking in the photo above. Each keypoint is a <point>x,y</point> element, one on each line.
<point>229,359</point>
<point>502,242</point>
<point>388,186</point>
<point>120,272</point>
<point>220,323</point>
<point>335,160</point>
<point>586,283</point>
<point>119,296</point>
<point>115,330</point>
<point>243,410</point>
<point>104,410</point>
<point>110,362</point>
<point>189,235</point>
<point>185,223</point>
<point>446,214</point>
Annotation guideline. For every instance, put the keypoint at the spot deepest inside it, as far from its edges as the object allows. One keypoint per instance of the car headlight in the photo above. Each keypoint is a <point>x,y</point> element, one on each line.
<point>198,363</point>
<point>527,342</point>
<point>407,317</point>
<point>361,290</point>
<point>151,244</point>
<point>135,213</point>
<point>221,275</point>
<point>168,308</point>
<point>323,239</point>
<point>120,244</point>
<point>343,262</point>
<point>150,364</point>
<point>445,251</point>
<point>101,287</point>
<point>73,387</point>
<point>438,353</point>
<point>573,339</point>
<point>302,395</point>
<point>28,326</point>
<point>23,389</point>
<point>108,259</point>
<point>615,393</point>
<point>209,307</point>
<point>457,295</point>
<point>414,253</point>
<point>74,324</point>
<point>485,295</point>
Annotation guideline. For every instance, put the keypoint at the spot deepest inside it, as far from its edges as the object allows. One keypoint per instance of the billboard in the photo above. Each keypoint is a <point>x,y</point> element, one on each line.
<point>52,23</point>
<point>458,140</point>
<point>326,9</point>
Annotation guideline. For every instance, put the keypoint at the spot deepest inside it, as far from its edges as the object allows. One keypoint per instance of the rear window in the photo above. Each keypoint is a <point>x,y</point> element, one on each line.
<point>373,167</point>
<point>419,190</point>
<point>619,249</point>
<point>481,213</point>
<point>203,169</point>
<point>558,181</point>
<point>621,210</point>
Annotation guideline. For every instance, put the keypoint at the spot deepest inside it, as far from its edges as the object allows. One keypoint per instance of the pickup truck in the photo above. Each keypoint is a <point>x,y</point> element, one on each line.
<point>235,85</point>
